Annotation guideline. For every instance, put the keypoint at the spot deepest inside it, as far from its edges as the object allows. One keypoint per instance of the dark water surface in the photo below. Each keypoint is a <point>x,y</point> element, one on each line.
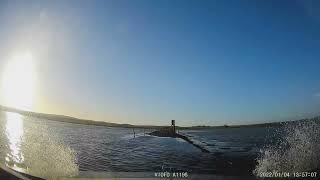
<point>46,148</point>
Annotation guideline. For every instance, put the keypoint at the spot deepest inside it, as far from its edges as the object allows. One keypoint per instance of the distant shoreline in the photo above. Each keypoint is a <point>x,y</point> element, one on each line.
<point>68,119</point>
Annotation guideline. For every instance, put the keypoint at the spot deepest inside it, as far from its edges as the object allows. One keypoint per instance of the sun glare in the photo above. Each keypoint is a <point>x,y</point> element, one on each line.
<point>18,82</point>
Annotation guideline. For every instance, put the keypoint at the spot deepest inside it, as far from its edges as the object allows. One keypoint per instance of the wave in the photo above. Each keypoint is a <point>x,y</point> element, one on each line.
<point>297,149</point>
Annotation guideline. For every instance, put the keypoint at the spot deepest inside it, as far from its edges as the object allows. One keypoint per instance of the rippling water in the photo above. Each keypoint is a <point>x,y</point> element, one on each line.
<point>49,149</point>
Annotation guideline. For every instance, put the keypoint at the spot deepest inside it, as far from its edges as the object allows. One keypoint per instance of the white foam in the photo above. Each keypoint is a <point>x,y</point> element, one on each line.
<point>298,150</point>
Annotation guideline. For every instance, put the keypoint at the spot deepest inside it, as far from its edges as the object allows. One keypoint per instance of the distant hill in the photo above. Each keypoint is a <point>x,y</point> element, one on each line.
<point>69,119</point>
<point>271,124</point>
<point>63,118</point>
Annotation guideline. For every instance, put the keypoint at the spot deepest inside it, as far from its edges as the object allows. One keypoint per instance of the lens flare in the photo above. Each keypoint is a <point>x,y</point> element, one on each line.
<point>18,82</point>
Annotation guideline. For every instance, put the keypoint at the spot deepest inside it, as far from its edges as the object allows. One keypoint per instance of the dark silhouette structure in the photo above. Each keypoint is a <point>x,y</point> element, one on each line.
<point>173,125</point>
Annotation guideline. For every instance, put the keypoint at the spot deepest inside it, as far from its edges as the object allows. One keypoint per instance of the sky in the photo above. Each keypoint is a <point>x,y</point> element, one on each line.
<point>147,62</point>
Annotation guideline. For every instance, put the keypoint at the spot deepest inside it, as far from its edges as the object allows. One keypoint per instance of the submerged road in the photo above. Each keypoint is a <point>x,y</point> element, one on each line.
<point>170,133</point>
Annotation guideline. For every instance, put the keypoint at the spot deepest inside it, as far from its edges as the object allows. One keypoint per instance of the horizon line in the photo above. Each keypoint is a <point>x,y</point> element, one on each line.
<point>17,110</point>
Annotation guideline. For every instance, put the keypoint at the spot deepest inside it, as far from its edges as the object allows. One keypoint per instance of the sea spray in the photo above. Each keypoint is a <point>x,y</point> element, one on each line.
<point>47,157</point>
<point>297,149</point>
<point>40,151</point>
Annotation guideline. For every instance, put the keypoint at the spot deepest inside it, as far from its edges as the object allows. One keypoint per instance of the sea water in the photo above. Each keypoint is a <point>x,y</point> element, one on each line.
<point>51,149</point>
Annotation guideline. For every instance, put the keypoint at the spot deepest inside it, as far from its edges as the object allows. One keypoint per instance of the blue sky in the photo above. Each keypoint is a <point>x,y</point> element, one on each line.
<point>147,62</point>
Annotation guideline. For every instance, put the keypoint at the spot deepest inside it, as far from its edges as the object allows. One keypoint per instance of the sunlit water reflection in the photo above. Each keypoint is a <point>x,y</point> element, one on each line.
<point>14,133</point>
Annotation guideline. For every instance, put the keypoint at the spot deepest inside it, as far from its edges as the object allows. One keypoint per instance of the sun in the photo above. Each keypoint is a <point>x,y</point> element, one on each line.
<point>18,82</point>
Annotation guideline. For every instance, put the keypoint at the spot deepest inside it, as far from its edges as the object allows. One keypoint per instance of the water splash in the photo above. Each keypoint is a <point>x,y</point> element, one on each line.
<point>46,157</point>
<point>297,149</point>
<point>44,154</point>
